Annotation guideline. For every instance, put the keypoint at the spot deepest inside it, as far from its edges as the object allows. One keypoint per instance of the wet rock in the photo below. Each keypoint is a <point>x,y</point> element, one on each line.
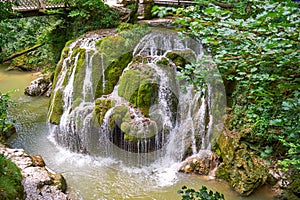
<point>37,87</point>
<point>244,171</point>
<point>38,161</point>
<point>38,181</point>
<point>201,163</point>
<point>132,131</point>
<point>102,105</point>
<point>139,86</point>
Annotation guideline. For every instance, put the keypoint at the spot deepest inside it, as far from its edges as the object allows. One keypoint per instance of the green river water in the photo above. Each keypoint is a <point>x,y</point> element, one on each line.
<point>97,177</point>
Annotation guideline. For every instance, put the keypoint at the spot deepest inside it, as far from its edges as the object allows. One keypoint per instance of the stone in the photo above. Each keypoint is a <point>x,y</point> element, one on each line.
<point>38,181</point>
<point>37,87</point>
<point>57,109</point>
<point>102,105</point>
<point>138,85</point>
<point>128,128</point>
<point>112,74</point>
<point>181,58</point>
<point>244,171</point>
<point>201,163</point>
<point>38,161</point>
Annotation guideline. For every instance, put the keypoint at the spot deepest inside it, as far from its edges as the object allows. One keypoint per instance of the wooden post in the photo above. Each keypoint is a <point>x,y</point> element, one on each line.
<point>42,5</point>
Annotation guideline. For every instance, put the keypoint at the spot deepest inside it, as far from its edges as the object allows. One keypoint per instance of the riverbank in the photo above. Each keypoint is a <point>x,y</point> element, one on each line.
<point>38,181</point>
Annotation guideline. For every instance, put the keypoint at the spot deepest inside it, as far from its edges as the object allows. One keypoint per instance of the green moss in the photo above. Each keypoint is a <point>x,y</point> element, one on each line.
<point>139,87</point>
<point>69,42</point>
<point>79,73</point>
<point>112,47</point>
<point>241,168</point>
<point>118,116</point>
<point>181,58</point>
<point>57,109</point>
<point>10,180</point>
<point>112,74</point>
<point>58,68</point>
<point>134,129</point>
<point>101,107</point>
<point>163,62</point>
<point>130,138</point>
<point>76,103</point>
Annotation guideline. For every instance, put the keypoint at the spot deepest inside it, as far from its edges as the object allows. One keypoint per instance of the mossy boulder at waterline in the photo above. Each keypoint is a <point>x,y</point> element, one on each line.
<point>132,123</point>
<point>244,171</point>
<point>139,86</point>
<point>128,127</point>
<point>118,116</point>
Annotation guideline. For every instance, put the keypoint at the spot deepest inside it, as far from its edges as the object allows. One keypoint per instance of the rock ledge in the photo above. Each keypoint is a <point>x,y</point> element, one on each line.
<point>38,181</point>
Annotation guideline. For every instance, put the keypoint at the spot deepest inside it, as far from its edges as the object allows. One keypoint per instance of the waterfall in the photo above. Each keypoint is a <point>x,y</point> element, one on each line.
<point>146,112</point>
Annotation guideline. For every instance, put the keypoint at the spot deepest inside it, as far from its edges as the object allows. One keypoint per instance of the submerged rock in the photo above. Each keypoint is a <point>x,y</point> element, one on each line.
<point>38,181</point>
<point>38,87</point>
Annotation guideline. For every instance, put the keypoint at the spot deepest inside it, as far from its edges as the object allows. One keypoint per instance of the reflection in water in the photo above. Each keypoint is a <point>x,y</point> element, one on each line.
<point>97,177</point>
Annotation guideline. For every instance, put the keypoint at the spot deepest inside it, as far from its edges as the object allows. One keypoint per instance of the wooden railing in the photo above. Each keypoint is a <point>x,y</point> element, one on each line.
<point>37,6</point>
<point>32,5</point>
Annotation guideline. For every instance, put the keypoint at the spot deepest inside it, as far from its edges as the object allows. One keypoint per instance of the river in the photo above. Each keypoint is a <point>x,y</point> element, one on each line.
<point>96,177</point>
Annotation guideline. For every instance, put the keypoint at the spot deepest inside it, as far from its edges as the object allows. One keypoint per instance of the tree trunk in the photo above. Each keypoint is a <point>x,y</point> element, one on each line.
<point>22,52</point>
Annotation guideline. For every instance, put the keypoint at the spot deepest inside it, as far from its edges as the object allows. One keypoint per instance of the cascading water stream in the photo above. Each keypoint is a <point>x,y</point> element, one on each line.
<point>176,121</point>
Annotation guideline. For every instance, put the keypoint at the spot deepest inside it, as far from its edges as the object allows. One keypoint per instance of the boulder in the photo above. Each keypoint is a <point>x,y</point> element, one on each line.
<point>130,130</point>
<point>201,163</point>
<point>244,171</point>
<point>38,87</point>
<point>38,181</point>
<point>139,86</point>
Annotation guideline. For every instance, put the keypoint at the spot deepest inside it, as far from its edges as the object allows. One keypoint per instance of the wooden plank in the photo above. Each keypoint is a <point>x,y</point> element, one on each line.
<point>174,2</point>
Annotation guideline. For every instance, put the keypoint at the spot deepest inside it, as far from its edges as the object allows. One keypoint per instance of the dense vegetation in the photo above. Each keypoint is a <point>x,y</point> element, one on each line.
<point>51,31</point>
<point>5,125</point>
<point>255,45</point>
<point>257,51</point>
